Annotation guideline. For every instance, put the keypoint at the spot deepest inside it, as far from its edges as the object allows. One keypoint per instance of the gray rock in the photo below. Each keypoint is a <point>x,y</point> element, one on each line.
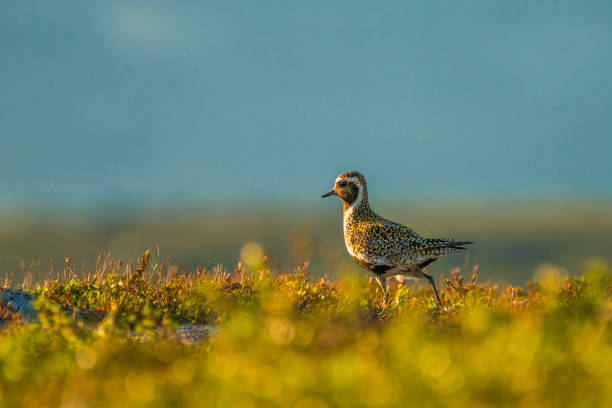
<point>19,301</point>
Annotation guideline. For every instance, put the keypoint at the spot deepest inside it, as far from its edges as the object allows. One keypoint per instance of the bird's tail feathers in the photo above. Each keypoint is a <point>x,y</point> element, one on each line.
<point>459,244</point>
<point>454,246</point>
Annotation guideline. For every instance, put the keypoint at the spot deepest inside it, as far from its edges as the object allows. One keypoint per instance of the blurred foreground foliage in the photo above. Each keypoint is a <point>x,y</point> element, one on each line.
<point>288,341</point>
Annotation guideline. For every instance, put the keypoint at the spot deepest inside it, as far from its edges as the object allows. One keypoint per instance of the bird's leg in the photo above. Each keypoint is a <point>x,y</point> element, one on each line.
<point>382,281</point>
<point>433,285</point>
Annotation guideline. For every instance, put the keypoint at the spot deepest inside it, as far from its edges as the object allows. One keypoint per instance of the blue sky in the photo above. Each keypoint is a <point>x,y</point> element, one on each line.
<point>104,102</point>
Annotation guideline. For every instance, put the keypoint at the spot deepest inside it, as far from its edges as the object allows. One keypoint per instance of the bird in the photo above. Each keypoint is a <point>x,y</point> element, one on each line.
<point>381,246</point>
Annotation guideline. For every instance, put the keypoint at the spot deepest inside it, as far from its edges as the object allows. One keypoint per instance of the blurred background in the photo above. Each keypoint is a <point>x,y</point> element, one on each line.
<point>209,130</point>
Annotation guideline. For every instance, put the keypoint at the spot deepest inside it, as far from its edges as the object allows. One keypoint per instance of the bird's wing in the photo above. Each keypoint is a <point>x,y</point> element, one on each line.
<point>399,245</point>
<point>390,242</point>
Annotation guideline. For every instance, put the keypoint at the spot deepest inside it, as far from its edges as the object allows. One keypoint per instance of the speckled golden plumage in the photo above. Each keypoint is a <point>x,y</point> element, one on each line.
<point>381,241</point>
<point>380,245</point>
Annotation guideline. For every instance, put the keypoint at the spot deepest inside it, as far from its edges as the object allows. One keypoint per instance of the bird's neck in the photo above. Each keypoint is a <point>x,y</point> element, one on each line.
<point>358,208</point>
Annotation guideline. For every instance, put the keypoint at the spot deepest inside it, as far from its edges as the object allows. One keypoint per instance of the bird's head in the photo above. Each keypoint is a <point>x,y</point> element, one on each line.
<point>351,187</point>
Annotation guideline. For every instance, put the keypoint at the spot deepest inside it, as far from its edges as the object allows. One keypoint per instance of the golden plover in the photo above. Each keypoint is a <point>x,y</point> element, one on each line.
<point>382,246</point>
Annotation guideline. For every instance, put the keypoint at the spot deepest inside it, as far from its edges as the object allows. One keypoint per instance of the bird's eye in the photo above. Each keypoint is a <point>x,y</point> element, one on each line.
<point>342,183</point>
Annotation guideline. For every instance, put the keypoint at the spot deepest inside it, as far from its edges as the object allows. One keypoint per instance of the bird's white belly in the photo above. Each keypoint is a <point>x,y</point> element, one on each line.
<point>408,273</point>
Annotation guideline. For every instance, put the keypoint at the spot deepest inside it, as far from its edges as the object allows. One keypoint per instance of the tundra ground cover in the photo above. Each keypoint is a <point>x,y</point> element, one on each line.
<point>104,338</point>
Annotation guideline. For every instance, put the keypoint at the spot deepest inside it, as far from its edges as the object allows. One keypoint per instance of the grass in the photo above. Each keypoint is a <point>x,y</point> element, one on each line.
<point>287,340</point>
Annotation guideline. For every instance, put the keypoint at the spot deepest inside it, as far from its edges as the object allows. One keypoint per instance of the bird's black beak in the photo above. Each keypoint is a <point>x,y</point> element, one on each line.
<point>329,193</point>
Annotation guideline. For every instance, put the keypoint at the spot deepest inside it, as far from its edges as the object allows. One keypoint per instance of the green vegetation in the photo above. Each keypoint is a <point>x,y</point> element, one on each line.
<point>105,338</point>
